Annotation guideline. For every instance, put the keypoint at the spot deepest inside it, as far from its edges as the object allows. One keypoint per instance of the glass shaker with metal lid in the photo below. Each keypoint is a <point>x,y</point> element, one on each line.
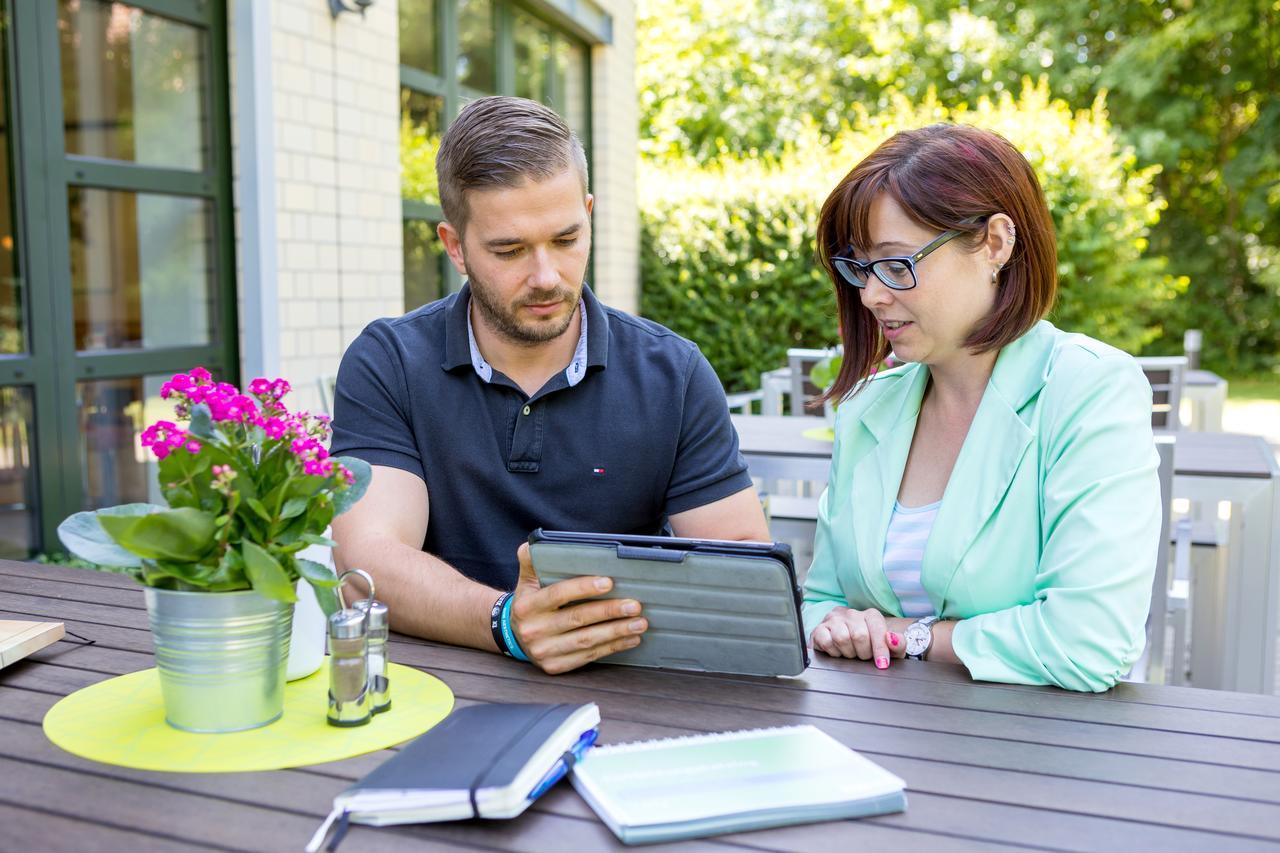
<point>379,682</point>
<point>349,699</point>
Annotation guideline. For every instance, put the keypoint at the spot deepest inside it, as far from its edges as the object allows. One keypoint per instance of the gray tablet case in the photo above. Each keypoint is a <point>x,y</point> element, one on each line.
<point>712,606</point>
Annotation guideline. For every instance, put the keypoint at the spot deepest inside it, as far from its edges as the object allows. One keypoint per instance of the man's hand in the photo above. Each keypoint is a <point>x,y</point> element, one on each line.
<point>560,629</point>
<point>862,634</point>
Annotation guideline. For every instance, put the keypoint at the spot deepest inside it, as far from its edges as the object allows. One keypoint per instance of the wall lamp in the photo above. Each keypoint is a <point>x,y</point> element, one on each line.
<point>337,7</point>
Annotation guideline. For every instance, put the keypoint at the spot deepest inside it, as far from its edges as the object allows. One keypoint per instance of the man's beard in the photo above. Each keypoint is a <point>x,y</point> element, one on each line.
<point>505,319</point>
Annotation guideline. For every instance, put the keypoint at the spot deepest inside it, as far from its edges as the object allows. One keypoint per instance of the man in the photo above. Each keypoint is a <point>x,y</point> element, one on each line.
<point>521,402</point>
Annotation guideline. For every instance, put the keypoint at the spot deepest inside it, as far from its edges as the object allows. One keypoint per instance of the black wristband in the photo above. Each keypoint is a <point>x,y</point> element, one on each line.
<point>495,623</point>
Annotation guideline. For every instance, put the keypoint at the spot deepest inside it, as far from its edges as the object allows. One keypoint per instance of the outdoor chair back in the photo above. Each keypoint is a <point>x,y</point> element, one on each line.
<point>1167,375</point>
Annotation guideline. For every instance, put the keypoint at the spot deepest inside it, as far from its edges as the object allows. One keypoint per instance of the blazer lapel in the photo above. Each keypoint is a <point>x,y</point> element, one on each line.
<point>891,423</point>
<point>992,452</point>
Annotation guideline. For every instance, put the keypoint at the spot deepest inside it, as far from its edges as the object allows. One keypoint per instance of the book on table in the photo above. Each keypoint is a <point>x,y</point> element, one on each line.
<point>665,790</point>
<point>488,760</point>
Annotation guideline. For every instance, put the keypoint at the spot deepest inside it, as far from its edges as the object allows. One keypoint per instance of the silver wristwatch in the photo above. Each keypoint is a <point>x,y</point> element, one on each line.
<point>919,637</point>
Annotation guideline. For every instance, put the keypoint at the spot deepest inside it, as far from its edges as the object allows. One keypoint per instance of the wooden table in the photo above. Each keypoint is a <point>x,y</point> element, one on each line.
<point>1234,640</point>
<point>1142,767</point>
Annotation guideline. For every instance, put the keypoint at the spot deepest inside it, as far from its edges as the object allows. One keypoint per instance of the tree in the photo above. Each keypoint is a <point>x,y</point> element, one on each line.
<point>1191,86</point>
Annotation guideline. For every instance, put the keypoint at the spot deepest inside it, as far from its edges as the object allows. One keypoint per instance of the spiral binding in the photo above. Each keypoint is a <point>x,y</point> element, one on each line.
<point>693,740</point>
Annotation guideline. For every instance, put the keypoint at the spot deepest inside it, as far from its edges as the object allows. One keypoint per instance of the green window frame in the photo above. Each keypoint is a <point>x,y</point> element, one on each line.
<point>46,178</point>
<point>567,24</point>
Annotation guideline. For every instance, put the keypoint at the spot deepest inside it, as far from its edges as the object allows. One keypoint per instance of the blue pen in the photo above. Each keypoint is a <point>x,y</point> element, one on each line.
<point>561,767</point>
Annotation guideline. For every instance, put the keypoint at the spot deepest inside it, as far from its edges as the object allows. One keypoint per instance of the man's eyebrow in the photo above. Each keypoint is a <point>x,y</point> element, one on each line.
<point>499,242</point>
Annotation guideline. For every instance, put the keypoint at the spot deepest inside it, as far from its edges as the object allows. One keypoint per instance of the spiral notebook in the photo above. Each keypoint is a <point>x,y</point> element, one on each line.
<point>666,790</point>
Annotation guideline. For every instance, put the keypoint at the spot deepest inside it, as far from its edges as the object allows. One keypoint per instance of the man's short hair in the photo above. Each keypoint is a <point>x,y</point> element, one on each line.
<point>501,141</point>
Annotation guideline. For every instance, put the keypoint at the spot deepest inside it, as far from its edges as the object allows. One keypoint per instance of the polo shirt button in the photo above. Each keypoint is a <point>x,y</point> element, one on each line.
<point>526,410</point>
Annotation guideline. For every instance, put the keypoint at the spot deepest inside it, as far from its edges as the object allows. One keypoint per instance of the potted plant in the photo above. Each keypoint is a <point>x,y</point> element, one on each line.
<point>249,485</point>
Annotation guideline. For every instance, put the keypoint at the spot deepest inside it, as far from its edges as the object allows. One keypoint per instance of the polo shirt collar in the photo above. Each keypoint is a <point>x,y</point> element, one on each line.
<point>460,349</point>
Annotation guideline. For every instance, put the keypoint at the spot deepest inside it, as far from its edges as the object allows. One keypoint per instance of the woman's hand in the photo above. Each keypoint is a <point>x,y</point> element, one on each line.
<point>862,634</point>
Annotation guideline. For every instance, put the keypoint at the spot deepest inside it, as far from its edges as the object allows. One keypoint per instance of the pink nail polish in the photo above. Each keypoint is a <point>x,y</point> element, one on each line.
<point>882,663</point>
<point>893,639</point>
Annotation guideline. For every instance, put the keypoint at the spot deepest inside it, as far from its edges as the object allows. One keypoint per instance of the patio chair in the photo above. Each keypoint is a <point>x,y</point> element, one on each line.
<point>1150,666</point>
<point>800,363</point>
<point>773,385</point>
<point>1167,375</point>
<point>741,403</point>
<point>325,384</point>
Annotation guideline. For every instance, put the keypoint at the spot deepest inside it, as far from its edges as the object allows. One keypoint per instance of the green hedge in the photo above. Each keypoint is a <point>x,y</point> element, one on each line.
<point>728,258</point>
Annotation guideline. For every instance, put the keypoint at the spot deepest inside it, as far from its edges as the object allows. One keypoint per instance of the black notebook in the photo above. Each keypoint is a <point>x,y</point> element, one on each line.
<point>487,761</point>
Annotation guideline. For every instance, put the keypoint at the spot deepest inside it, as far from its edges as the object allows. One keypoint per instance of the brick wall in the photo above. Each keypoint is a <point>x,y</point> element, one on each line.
<point>614,130</point>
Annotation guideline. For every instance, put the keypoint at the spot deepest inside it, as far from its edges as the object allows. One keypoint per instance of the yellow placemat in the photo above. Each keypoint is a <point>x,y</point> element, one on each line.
<point>121,721</point>
<point>820,434</point>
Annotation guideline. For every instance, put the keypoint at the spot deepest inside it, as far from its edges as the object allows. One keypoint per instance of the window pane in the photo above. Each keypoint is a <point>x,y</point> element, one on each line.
<point>475,44</point>
<point>11,328</point>
<point>571,86</point>
<point>132,85</point>
<point>115,467</point>
<point>424,261</point>
<point>140,270</point>
<point>418,35</point>
<point>421,121</point>
<point>18,504</point>
<point>533,49</point>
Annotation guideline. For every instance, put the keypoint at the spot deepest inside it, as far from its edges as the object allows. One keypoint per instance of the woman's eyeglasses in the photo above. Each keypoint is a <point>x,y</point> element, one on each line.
<point>898,273</point>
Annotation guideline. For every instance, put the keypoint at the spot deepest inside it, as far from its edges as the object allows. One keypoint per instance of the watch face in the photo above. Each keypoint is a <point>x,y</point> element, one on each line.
<point>918,637</point>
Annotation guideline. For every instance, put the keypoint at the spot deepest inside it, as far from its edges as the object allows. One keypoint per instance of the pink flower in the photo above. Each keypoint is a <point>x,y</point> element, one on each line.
<point>274,427</point>
<point>193,446</point>
<point>318,467</point>
<point>200,375</point>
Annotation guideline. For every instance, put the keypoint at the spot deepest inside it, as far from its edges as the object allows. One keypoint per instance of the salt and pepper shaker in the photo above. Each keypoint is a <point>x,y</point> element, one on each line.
<point>379,684</point>
<point>349,697</point>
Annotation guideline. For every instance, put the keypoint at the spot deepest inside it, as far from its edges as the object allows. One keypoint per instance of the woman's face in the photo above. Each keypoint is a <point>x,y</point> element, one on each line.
<point>953,294</point>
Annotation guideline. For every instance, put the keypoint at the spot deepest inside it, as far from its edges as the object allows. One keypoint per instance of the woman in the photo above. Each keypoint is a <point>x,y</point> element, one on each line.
<point>994,501</point>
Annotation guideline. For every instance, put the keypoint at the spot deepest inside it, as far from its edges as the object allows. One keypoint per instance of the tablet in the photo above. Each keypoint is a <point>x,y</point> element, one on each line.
<point>712,605</point>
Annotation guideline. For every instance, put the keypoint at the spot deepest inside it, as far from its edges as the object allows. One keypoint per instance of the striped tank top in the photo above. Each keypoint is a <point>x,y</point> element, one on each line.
<point>904,553</point>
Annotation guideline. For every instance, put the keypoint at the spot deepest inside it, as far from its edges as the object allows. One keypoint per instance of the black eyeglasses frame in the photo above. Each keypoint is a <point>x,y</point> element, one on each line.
<point>842,263</point>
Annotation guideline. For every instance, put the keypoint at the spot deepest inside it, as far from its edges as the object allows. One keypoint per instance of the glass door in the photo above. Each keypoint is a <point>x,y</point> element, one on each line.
<point>124,164</point>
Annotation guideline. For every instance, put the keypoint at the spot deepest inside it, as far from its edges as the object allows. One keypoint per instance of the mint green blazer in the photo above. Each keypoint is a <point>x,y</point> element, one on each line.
<point>1045,544</point>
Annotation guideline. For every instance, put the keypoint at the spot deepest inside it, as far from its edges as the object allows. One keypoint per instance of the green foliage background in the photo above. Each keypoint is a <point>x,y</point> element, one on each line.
<point>1153,126</point>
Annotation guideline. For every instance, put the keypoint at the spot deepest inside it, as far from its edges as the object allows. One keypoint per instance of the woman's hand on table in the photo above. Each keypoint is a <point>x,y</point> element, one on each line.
<point>861,634</point>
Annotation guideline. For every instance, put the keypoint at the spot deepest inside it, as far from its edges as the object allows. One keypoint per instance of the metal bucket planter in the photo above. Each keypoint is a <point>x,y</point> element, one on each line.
<point>221,657</point>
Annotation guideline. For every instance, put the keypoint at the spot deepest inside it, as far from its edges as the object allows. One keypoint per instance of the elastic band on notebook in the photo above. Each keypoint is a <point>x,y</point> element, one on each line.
<point>501,753</point>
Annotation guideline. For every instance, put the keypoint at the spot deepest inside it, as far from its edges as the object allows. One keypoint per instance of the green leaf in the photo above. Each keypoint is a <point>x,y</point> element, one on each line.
<point>266,574</point>
<point>258,507</point>
<point>316,539</point>
<point>346,498</point>
<point>317,574</point>
<point>231,573</point>
<point>202,423</point>
<point>182,535</point>
<point>294,507</point>
<point>83,535</point>
<point>327,598</point>
<point>199,577</point>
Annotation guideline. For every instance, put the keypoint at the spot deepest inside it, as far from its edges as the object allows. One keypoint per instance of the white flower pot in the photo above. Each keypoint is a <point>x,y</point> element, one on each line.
<point>306,647</point>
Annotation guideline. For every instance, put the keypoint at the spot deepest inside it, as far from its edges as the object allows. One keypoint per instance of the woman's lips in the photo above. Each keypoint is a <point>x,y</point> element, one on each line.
<point>892,333</point>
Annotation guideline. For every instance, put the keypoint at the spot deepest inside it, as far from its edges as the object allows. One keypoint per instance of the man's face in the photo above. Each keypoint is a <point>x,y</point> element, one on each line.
<point>525,253</point>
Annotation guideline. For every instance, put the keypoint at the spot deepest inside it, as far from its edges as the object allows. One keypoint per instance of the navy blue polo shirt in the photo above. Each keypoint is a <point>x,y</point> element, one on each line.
<point>643,435</point>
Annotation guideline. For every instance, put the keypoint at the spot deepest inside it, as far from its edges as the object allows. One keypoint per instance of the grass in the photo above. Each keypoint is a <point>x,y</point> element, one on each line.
<point>1264,386</point>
